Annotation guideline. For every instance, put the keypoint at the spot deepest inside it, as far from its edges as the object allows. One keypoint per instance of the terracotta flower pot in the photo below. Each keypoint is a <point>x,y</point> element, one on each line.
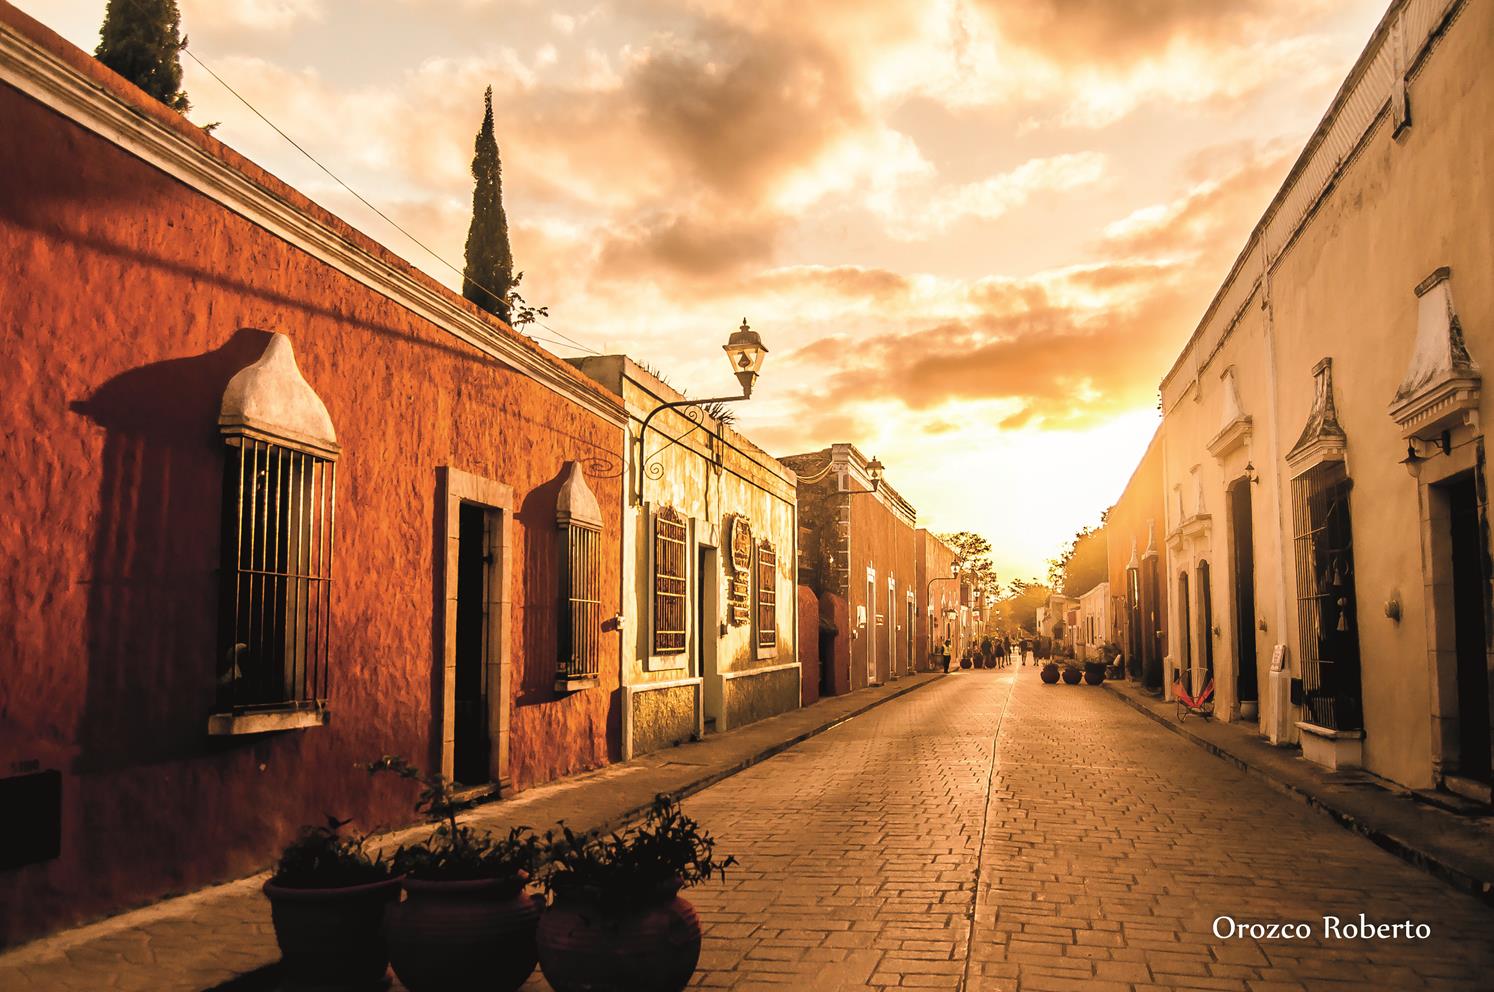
<point>1071,676</point>
<point>964,662</point>
<point>1094,672</point>
<point>332,938</point>
<point>449,935</point>
<point>653,948</point>
<point>1049,673</point>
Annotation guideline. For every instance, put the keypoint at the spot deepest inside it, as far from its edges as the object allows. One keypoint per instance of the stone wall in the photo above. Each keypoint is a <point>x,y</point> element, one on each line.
<point>751,697</point>
<point>662,717</point>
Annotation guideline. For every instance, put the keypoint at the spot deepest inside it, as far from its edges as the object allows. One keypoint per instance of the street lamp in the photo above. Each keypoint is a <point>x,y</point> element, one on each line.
<point>954,574</point>
<point>745,350</point>
<point>874,470</point>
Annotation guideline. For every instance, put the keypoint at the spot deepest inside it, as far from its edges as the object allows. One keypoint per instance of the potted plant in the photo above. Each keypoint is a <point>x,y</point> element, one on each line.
<point>617,922</point>
<point>466,920</point>
<point>327,901</point>
<point>1072,673</point>
<point>1049,673</point>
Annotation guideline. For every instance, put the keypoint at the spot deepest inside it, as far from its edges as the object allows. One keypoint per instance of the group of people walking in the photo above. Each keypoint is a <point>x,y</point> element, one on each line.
<point>1001,651</point>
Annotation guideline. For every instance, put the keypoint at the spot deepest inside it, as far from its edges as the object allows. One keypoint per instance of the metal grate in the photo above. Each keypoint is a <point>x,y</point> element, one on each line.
<point>669,582</point>
<point>277,575</point>
<point>581,625</point>
<point>1328,636</point>
<point>767,596</point>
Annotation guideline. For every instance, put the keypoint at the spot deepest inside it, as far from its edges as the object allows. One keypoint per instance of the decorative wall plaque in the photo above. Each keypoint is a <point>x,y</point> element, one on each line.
<point>739,572</point>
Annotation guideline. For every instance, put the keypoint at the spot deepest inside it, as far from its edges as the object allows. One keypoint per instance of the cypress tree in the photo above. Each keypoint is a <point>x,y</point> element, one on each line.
<point>490,263</point>
<point>141,40</point>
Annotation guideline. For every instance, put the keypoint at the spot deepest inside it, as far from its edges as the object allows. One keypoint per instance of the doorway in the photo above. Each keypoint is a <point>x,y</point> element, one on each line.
<point>1242,535</point>
<point>472,747</point>
<point>871,629</point>
<point>1133,623</point>
<point>1470,601</point>
<point>1205,624</point>
<point>707,620</point>
<point>1185,627</point>
<point>912,615</point>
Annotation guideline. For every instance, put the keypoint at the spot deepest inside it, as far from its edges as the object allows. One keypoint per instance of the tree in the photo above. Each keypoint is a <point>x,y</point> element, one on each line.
<point>489,276</point>
<point>973,555</point>
<point>1083,564</point>
<point>1022,600</point>
<point>140,40</point>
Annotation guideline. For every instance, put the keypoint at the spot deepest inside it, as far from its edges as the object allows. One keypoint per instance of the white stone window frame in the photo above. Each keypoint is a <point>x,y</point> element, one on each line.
<point>270,405</point>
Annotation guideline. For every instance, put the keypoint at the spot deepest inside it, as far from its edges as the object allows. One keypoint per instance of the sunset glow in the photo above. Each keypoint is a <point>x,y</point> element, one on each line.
<point>974,234</point>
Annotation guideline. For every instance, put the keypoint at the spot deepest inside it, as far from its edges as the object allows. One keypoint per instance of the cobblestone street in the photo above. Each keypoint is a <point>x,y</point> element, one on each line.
<point>1103,846</point>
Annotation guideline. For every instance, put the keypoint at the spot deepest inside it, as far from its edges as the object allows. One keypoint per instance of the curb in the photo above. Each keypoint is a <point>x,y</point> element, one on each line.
<point>265,977</point>
<point>1438,868</point>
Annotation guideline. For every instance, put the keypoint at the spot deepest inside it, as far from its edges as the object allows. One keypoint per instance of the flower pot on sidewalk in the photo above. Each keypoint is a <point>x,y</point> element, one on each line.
<point>587,947</point>
<point>1094,672</point>
<point>1071,675</point>
<point>1050,673</point>
<point>331,938</point>
<point>477,934</point>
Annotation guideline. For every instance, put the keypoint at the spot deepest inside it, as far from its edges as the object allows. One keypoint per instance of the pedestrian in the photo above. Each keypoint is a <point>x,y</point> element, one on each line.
<point>944,655</point>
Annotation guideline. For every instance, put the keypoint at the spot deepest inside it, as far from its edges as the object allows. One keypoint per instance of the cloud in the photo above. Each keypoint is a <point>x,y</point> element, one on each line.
<point>253,15</point>
<point>990,198</point>
<point>1124,30</point>
<point>1192,223</point>
<point>695,246</point>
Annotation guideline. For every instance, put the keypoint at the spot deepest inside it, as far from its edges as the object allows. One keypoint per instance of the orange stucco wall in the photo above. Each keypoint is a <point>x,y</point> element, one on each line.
<point>127,301</point>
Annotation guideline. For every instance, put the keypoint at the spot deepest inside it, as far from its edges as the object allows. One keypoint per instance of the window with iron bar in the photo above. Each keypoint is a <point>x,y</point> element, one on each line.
<point>1328,636</point>
<point>767,596</point>
<point>275,602</point>
<point>581,598</point>
<point>669,582</point>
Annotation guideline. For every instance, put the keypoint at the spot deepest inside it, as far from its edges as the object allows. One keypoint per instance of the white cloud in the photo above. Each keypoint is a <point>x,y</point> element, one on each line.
<point>254,15</point>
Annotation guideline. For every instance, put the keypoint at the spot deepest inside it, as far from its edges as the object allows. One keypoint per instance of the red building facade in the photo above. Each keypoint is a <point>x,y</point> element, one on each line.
<point>856,542</point>
<point>941,597</point>
<point>1137,556</point>
<point>143,268</point>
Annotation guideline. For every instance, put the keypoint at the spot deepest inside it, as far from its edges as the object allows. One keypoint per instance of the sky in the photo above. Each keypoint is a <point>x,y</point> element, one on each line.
<point>972,233</point>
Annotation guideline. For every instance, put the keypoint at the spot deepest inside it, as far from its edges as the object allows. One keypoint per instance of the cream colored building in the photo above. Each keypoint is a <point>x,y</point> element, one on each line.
<point>1094,623</point>
<point>709,597</point>
<point>1351,326</point>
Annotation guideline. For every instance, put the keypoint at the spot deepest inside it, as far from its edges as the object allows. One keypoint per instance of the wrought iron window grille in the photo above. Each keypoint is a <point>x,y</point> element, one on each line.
<point>275,602</point>
<point>670,585</point>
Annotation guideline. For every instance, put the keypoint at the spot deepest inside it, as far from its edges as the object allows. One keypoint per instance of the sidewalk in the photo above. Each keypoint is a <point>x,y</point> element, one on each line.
<point>1456,849</point>
<point>221,936</point>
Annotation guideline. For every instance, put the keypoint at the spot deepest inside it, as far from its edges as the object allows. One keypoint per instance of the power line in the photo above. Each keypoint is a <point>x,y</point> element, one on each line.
<point>569,342</point>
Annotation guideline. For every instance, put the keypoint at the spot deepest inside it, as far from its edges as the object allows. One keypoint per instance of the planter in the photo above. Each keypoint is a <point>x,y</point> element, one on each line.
<point>1050,673</point>
<point>1071,675</point>
<point>990,660</point>
<point>1094,673</point>
<point>653,948</point>
<point>332,938</point>
<point>464,935</point>
<point>964,662</point>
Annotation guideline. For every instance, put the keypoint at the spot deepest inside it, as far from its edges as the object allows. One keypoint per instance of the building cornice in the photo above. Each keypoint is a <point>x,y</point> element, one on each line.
<point>1368,96</point>
<point>44,75</point>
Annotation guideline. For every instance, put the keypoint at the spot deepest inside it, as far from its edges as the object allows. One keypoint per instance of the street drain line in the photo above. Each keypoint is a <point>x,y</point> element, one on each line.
<point>980,851</point>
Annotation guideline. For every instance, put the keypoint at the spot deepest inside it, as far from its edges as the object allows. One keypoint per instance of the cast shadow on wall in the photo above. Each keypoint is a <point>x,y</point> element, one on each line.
<point>153,581</point>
